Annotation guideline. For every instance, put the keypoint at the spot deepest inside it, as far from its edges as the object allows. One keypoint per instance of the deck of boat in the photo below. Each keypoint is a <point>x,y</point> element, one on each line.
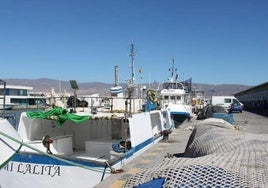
<point>175,144</point>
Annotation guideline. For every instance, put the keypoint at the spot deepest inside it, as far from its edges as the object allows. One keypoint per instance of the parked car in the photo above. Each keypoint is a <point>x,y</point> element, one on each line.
<point>235,107</point>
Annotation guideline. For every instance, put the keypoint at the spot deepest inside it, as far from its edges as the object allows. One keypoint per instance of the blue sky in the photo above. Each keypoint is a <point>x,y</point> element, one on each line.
<point>212,41</point>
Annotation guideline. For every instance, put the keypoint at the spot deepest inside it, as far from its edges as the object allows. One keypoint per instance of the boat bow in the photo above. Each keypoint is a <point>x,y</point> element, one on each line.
<point>10,142</point>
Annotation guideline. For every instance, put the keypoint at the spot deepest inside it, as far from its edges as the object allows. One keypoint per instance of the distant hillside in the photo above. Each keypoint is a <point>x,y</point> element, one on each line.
<point>223,89</point>
<point>45,85</point>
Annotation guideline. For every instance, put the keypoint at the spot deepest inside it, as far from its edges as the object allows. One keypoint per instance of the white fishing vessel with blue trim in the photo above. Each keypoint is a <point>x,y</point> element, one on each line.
<point>62,149</point>
<point>176,98</point>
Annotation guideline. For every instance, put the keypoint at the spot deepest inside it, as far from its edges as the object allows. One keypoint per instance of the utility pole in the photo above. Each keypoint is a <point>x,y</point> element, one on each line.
<point>4,98</point>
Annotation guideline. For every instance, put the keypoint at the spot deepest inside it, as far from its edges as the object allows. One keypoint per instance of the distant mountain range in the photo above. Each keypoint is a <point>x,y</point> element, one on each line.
<point>46,85</point>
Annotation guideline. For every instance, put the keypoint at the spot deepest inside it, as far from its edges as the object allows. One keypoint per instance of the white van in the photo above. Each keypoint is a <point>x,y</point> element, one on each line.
<point>225,101</point>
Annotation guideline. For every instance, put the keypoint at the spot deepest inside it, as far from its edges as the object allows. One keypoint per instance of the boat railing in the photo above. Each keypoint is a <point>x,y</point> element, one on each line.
<point>85,103</point>
<point>170,85</point>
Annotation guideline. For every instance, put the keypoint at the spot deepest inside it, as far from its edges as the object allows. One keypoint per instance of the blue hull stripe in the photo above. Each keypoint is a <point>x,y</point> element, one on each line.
<point>180,113</point>
<point>179,117</point>
<point>138,147</point>
<point>42,159</point>
<point>116,90</point>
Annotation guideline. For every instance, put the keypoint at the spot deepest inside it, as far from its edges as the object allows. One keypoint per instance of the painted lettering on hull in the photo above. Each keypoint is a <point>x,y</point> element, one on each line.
<point>37,169</point>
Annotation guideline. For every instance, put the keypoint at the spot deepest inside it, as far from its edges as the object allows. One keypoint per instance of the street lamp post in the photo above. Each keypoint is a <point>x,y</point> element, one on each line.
<point>74,87</point>
<point>4,97</point>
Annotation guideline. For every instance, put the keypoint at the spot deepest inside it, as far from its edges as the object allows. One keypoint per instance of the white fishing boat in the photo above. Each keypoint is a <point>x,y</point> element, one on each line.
<point>63,149</point>
<point>173,97</point>
<point>79,154</point>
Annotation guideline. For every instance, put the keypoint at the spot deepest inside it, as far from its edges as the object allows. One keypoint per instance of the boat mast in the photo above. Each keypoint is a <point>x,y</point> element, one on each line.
<point>132,54</point>
<point>131,88</point>
<point>173,70</point>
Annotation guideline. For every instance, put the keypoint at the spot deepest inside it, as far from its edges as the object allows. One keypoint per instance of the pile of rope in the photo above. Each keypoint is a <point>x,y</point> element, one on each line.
<point>215,156</point>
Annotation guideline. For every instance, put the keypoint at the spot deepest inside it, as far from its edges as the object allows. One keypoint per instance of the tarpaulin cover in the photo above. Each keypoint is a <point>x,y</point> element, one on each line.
<point>155,183</point>
<point>57,114</point>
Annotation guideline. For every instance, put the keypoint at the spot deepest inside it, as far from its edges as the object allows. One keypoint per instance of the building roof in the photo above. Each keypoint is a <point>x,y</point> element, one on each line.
<point>253,89</point>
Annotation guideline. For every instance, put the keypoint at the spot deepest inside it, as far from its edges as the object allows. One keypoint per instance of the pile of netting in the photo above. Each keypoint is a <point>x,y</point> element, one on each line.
<point>215,156</point>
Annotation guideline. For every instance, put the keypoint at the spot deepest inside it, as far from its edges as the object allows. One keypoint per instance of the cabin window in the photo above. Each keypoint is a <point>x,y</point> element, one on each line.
<point>227,100</point>
<point>235,101</point>
<point>178,98</point>
<point>18,101</point>
<point>172,97</point>
<point>166,98</point>
<point>21,92</point>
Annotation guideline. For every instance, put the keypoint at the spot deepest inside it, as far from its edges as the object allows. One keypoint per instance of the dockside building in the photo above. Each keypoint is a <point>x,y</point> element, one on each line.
<point>255,99</point>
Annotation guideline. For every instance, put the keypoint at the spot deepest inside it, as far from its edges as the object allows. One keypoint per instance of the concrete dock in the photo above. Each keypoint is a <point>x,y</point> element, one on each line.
<point>246,121</point>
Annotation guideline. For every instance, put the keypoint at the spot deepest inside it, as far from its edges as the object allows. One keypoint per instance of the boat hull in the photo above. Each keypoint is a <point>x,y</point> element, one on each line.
<point>179,117</point>
<point>179,113</point>
<point>26,170</point>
